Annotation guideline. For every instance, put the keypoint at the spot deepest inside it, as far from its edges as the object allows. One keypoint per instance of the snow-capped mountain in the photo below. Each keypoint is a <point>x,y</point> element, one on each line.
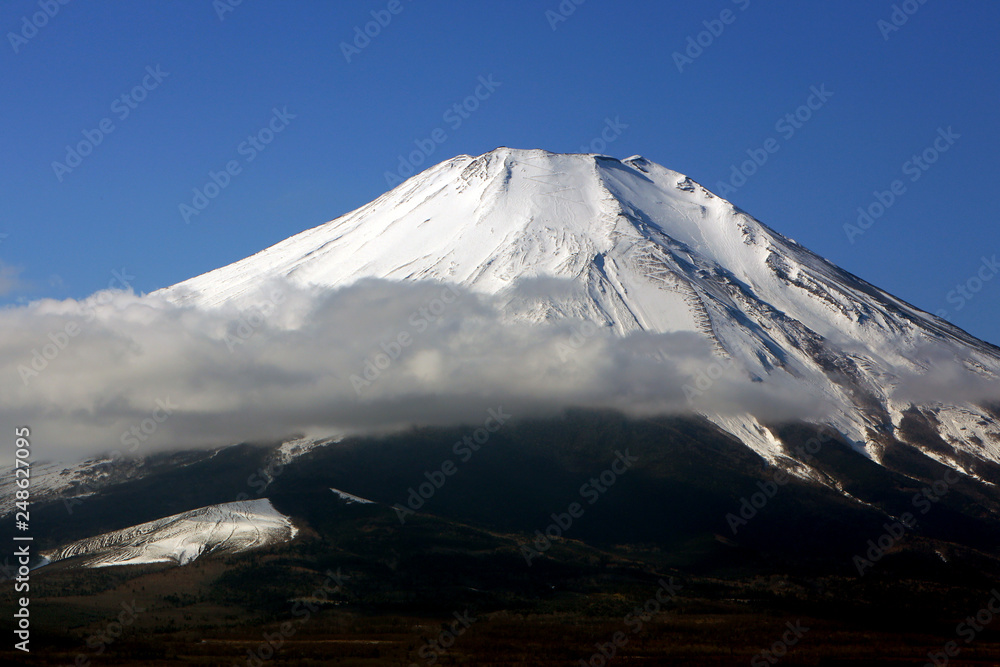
<point>220,529</point>
<point>653,251</point>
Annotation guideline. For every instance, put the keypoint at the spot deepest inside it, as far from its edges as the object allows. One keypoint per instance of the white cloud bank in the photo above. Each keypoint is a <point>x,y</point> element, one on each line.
<point>139,374</point>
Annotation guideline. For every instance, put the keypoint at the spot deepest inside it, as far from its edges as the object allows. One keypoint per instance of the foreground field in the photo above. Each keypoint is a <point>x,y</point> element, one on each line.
<point>611,614</point>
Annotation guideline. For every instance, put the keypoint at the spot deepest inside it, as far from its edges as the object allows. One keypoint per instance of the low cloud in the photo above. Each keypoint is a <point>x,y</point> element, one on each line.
<point>946,373</point>
<point>140,374</point>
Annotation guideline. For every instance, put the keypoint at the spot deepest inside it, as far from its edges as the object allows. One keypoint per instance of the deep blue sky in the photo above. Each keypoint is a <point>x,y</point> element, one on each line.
<point>120,206</point>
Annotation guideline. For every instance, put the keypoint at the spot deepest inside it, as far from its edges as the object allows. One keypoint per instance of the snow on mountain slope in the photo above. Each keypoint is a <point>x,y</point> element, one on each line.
<point>227,528</point>
<point>351,499</point>
<point>73,482</point>
<point>651,251</point>
<point>290,450</point>
<point>55,480</point>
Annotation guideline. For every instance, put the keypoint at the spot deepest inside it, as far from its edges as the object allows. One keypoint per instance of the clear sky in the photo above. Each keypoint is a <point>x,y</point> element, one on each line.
<point>160,94</point>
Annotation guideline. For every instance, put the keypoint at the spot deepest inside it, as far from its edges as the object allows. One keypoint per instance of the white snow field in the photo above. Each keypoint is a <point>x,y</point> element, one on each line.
<point>351,499</point>
<point>217,529</point>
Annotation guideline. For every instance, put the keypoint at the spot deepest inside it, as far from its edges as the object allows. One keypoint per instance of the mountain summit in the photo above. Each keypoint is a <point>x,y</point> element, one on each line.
<point>652,250</point>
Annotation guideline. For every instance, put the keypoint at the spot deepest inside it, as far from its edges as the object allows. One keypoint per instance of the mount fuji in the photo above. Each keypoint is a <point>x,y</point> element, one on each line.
<point>879,513</point>
<point>651,250</point>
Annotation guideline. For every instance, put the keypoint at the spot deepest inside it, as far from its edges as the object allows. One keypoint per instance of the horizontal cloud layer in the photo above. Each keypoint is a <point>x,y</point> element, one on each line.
<point>139,374</point>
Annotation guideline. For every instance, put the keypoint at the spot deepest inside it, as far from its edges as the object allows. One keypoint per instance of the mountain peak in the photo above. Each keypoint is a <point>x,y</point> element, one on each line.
<point>648,249</point>
<point>484,222</point>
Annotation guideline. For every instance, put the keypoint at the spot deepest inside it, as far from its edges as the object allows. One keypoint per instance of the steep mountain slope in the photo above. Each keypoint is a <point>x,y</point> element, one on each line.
<point>380,588</point>
<point>651,250</point>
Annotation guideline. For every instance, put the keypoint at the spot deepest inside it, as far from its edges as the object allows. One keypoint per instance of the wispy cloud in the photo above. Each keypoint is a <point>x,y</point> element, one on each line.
<point>9,278</point>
